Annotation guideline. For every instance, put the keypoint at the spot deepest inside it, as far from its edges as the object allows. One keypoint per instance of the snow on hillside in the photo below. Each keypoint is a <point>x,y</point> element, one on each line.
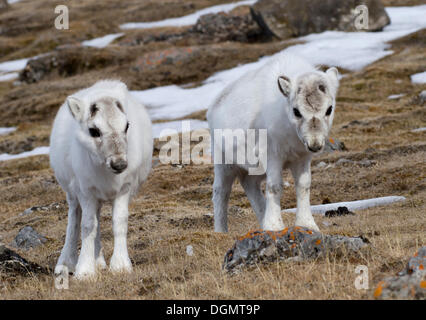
<point>419,78</point>
<point>35,152</point>
<point>4,131</point>
<point>102,42</point>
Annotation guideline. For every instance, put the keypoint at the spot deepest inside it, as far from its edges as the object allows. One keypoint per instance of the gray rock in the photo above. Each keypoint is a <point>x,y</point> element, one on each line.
<point>227,27</point>
<point>290,244</point>
<point>13,263</point>
<point>410,283</point>
<point>52,206</point>
<point>363,163</point>
<point>28,238</point>
<point>333,144</point>
<point>422,97</point>
<point>293,18</point>
<point>322,164</point>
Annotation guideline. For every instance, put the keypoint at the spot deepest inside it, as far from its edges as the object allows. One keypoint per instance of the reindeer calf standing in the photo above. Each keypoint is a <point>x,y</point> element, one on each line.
<point>295,103</point>
<point>101,149</point>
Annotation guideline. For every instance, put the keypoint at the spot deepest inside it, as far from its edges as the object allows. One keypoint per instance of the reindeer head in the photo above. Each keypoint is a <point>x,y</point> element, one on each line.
<point>103,123</point>
<point>312,100</point>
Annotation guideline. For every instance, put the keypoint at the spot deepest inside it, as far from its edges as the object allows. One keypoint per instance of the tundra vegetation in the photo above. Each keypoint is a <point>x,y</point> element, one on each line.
<point>174,207</point>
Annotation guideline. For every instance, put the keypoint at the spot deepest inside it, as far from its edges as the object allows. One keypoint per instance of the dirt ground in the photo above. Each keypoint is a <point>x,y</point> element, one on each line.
<point>173,208</point>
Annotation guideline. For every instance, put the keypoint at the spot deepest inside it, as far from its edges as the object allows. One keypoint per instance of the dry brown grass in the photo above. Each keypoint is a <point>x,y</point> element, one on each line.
<point>170,211</point>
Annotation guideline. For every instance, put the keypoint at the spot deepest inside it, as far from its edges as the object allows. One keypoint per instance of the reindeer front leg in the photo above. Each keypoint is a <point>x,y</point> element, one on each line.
<point>120,260</point>
<point>301,171</point>
<point>274,187</point>
<point>86,265</point>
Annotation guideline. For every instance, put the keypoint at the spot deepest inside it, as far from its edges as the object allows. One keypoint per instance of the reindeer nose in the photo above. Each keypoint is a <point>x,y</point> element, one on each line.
<point>118,166</point>
<point>315,147</point>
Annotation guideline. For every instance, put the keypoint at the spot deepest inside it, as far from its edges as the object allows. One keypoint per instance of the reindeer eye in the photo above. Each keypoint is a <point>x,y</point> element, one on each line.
<point>330,108</point>
<point>94,132</point>
<point>321,88</point>
<point>297,113</point>
<point>127,127</point>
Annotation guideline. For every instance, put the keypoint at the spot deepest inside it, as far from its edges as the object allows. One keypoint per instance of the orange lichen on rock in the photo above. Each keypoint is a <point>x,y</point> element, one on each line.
<point>249,235</point>
<point>378,291</point>
<point>272,234</point>
<point>423,284</point>
<point>421,267</point>
<point>318,242</point>
<point>283,232</point>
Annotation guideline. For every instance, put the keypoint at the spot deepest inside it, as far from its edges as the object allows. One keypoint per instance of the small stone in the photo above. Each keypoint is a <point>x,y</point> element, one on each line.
<point>342,161</point>
<point>28,238</point>
<point>189,250</point>
<point>422,97</point>
<point>322,164</point>
<point>333,144</point>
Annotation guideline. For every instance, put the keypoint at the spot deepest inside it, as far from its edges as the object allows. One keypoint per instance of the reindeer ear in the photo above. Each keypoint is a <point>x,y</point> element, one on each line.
<point>284,85</point>
<point>333,75</point>
<point>76,107</point>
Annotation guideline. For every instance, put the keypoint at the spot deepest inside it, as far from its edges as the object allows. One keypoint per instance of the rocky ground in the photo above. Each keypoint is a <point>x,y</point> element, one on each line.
<point>173,210</point>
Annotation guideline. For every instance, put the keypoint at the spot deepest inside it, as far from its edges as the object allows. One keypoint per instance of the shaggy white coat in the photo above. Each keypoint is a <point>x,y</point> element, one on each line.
<point>82,167</point>
<point>266,99</point>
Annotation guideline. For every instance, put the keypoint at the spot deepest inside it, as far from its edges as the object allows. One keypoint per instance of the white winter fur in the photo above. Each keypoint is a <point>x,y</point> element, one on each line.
<point>266,99</point>
<point>82,166</point>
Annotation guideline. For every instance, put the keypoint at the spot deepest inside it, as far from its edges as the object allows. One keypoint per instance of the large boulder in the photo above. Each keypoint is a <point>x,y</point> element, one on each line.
<point>293,18</point>
<point>290,244</point>
<point>227,27</point>
<point>410,283</point>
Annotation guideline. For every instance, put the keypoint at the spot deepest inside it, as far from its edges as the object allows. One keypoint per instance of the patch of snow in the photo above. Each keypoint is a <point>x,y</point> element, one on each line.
<point>171,102</point>
<point>352,205</point>
<point>396,96</point>
<point>4,131</point>
<point>13,65</point>
<point>9,76</point>
<point>157,128</point>
<point>37,151</point>
<point>188,19</point>
<point>13,1</point>
<point>349,50</point>
<point>102,42</point>
<point>419,129</point>
<point>419,78</point>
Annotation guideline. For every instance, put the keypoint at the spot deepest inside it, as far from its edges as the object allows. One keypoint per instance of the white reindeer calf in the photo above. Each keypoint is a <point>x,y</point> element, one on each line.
<point>101,149</point>
<point>295,102</point>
